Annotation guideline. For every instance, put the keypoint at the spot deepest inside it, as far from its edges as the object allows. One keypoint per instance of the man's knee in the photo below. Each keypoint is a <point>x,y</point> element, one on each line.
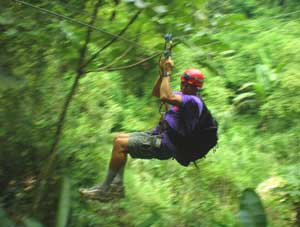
<point>121,142</point>
<point>120,136</point>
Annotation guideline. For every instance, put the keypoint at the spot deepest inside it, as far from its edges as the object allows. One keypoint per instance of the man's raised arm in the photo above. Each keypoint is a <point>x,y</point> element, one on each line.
<point>156,87</point>
<point>165,91</point>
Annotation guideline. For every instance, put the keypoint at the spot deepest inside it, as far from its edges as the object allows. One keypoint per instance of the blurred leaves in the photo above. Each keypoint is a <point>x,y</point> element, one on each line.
<point>29,222</point>
<point>290,191</point>
<point>251,65</point>
<point>4,219</point>
<point>7,18</point>
<point>150,220</point>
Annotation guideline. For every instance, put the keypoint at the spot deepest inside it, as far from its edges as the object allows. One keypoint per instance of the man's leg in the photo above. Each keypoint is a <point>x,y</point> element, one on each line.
<point>116,168</point>
<point>117,161</point>
<point>120,175</point>
<point>142,145</point>
<point>119,178</point>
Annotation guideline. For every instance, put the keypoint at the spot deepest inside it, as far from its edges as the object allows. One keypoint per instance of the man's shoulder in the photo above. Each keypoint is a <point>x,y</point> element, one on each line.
<point>192,99</point>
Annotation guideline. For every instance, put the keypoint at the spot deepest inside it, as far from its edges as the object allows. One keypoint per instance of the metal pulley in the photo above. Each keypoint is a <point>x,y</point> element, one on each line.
<point>168,45</point>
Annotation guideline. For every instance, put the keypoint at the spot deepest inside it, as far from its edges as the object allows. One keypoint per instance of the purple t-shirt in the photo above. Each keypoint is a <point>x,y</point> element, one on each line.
<point>182,119</point>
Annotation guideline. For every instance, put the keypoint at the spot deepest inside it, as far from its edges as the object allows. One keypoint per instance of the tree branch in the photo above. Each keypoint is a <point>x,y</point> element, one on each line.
<point>119,57</point>
<point>53,150</point>
<point>106,68</point>
<point>135,16</point>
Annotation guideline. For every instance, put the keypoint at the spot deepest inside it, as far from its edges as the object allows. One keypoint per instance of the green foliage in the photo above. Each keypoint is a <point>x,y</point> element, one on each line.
<point>4,219</point>
<point>7,222</point>
<point>28,222</point>
<point>253,94</point>
<point>248,53</point>
<point>289,192</point>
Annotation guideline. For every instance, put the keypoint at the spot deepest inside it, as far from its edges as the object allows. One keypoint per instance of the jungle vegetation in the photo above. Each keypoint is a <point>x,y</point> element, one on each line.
<point>75,73</point>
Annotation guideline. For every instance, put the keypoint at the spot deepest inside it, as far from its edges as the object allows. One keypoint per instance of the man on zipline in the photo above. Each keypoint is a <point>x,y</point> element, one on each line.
<point>172,138</point>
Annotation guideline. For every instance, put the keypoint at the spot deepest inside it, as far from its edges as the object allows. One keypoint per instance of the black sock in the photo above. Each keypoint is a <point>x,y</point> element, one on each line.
<point>108,179</point>
<point>119,177</point>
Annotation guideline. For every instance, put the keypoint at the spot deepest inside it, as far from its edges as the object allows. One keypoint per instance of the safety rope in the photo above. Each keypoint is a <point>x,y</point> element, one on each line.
<point>163,108</point>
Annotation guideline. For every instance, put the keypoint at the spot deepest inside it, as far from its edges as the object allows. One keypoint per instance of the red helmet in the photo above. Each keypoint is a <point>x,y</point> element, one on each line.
<point>193,76</point>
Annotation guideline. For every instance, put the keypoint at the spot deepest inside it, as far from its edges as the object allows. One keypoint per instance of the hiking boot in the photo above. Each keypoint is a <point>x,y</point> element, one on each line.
<point>96,193</point>
<point>117,191</point>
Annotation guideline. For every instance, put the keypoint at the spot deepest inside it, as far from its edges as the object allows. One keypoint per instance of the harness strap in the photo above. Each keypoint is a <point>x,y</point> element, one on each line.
<point>163,108</point>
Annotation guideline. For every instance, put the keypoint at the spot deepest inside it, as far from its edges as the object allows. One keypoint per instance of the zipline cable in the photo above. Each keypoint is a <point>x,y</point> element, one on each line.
<point>94,28</point>
<point>67,6</point>
<point>128,40</point>
<point>178,37</point>
<point>116,36</point>
<point>76,22</point>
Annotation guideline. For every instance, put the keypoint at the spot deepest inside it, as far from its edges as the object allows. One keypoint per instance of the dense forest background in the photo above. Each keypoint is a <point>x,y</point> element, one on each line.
<point>74,73</point>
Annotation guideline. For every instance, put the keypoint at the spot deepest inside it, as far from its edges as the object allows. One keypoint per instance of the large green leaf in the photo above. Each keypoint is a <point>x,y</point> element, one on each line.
<point>150,220</point>
<point>244,96</point>
<point>252,212</point>
<point>64,203</point>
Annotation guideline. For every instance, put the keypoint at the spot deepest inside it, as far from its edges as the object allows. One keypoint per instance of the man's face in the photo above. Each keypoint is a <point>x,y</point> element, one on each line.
<point>188,89</point>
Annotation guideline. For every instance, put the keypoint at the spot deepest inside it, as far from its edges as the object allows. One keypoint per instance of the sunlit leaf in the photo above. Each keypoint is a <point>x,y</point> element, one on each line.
<point>246,86</point>
<point>160,9</point>
<point>243,96</point>
<point>200,16</point>
<point>141,4</point>
<point>228,53</point>
<point>11,32</point>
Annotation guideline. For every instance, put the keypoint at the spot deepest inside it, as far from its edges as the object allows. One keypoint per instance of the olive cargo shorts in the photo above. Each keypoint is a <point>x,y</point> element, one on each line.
<point>145,145</point>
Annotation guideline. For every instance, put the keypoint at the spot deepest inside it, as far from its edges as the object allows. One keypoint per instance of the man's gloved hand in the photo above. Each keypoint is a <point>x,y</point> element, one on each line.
<point>166,66</point>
